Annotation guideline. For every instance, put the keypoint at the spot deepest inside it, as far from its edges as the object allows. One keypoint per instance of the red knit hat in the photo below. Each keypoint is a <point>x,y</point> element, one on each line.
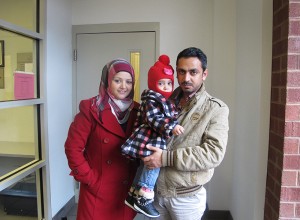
<point>161,70</point>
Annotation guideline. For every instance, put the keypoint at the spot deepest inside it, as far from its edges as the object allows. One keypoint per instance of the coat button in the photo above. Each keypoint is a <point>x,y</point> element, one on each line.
<point>106,140</point>
<point>125,182</point>
<point>75,171</point>
<point>109,162</point>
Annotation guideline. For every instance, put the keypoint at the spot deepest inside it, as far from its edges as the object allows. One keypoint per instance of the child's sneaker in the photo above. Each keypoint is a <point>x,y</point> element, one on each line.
<point>144,203</point>
<point>145,206</point>
<point>130,200</point>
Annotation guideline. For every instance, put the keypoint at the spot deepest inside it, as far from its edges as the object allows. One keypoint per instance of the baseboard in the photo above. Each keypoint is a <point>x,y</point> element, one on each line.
<point>217,215</point>
<point>65,210</point>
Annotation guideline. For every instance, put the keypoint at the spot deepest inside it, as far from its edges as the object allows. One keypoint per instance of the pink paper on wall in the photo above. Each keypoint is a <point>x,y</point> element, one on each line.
<point>23,85</point>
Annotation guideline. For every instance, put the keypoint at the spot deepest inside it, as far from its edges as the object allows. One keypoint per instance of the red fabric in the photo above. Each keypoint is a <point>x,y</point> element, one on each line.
<point>161,70</point>
<point>96,161</point>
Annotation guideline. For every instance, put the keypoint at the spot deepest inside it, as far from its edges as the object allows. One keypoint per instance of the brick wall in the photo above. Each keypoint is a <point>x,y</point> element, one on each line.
<point>283,177</point>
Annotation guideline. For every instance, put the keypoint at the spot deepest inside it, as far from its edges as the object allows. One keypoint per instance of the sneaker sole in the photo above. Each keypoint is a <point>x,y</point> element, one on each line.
<point>145,213</point>
<point>128,204</point>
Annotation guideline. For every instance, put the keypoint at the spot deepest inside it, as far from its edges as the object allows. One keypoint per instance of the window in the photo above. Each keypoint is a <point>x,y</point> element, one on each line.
<point>21,103</point>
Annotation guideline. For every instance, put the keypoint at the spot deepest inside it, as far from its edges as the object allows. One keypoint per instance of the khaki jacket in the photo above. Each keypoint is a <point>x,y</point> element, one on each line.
<point>190,158</point>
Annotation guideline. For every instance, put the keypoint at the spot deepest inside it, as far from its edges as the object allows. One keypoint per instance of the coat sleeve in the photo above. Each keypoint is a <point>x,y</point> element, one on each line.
<point>78,135</point>
<point>157,119</point>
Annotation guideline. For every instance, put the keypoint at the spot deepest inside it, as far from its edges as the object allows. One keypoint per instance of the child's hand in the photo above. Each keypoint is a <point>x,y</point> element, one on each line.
<point>178,130</point>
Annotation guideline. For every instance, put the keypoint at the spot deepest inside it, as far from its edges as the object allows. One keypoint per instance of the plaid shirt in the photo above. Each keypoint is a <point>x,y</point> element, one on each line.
<point>155,121</point>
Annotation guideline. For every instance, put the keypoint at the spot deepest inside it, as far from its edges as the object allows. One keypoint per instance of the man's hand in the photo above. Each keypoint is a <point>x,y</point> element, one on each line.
<point>178,130</point>
<point>154,160</point>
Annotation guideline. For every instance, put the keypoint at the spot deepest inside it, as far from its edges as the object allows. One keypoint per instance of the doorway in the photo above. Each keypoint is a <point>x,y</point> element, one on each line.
<point>95,45</point>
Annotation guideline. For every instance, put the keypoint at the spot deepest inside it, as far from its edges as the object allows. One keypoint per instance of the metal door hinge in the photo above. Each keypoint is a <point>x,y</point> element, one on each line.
<point>75,55</point>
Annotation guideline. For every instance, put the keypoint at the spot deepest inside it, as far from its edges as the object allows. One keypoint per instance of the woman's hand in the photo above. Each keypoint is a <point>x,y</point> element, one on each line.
<point>154,160</point>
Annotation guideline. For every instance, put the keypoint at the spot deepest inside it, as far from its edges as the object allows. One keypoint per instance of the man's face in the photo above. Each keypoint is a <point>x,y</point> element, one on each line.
<point>190,74</point>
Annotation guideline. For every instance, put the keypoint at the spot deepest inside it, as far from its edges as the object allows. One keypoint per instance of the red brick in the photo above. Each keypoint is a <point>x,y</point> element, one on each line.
<point>277,110</point>
<point>281,15</point>
<point>292,112</point>
<point>293,78</point>
<point>294,45</point>
<point>291,162</point>
<point>294,28</point>
<point>280,48</point>
<point>289,178</point>
<point>276,64</point>
<point>284,29</point>
<point>275,95</point>
<point>291,146</point>
<point>276,79</point>
<point>276,141</point>
<point>290,194</point>
<point>292,129</point>
<point>293,64</point>
<point>294,11</point>
<point>274,176</point>
<point>277,34</point>
<point>284,61</point>
<point>287,210</point>
<point>277,4</point>
<point>283,95</point>
<point>297,209</point>
<point>293,95</point>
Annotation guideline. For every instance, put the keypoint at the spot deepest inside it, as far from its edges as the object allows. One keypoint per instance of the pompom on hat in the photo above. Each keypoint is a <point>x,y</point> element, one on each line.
<point>161,70</point>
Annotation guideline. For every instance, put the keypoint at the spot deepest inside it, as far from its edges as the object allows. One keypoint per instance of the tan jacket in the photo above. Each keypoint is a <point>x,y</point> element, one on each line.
<point>190,158</point>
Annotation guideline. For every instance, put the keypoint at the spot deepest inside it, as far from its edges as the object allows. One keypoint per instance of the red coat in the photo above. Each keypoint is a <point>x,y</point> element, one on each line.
<point>93,149</point>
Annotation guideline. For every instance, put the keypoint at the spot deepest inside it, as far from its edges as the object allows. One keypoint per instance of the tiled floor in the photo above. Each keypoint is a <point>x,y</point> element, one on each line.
<point>72,216</point>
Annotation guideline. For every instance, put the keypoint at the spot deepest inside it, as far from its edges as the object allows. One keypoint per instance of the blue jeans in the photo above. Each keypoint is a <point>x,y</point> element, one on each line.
<point>145,177</point>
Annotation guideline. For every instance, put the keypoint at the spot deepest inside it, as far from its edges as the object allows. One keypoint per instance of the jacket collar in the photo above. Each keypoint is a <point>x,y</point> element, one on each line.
<point>110,123</point>
<point>178,93</point>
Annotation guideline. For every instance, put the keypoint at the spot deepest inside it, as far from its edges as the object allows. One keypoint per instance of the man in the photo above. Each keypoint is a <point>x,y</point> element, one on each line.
<point>190,158</point>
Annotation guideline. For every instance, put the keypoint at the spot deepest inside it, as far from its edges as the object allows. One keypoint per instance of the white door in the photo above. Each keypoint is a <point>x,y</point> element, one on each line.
<point>95,50</point>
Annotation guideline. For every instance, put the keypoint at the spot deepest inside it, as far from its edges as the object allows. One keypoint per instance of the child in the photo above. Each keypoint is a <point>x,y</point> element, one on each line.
<point>156,122</point>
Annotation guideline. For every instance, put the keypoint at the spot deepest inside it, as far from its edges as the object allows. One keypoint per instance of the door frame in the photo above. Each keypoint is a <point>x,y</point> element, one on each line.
<point>109,28</point>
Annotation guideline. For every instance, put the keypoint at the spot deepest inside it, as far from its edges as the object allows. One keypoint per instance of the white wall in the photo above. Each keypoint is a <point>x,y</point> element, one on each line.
<point>236,36</point>
<point>59,98</point>
<point>179,21</point>
<point>253,86</point>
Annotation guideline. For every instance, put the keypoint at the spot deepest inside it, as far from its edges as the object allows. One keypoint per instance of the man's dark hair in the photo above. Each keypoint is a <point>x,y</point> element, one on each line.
<point>193,52</point>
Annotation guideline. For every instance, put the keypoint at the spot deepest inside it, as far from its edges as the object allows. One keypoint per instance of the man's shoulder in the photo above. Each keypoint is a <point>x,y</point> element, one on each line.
<point>217,101</point>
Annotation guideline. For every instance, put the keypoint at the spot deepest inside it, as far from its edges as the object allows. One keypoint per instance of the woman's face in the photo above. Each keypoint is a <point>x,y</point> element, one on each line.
<point>121,85</point>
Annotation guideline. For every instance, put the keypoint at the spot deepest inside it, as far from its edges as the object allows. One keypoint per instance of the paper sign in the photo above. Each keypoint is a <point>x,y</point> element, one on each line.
<point>23,85</point>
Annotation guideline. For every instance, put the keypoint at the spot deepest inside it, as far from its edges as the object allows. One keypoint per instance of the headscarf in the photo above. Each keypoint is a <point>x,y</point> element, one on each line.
<point>120,108</point>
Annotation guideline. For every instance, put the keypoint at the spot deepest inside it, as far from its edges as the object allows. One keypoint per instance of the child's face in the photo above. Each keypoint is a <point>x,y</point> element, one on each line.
<point>165,85</point>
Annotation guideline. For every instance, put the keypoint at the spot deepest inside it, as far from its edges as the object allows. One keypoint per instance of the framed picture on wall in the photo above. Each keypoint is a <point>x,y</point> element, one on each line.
<point>1,53</point>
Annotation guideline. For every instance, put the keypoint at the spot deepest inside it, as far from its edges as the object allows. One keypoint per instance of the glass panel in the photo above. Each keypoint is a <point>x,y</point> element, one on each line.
<point>19,201</point>
<point>135,59</point>
<point>18,137</point>
<point>18,72</point>
<point>19,12</point>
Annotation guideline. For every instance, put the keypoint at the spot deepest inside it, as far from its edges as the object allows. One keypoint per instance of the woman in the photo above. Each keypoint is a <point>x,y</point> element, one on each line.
<point>93,145</point>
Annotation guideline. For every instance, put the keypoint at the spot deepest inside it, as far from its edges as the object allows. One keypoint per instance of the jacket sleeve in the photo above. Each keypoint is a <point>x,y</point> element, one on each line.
<point>211,151</point>
<point>76,141</point>
<point>157,119</point>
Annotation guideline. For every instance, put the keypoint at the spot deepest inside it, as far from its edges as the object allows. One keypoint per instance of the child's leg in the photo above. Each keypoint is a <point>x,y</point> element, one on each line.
<point>133,191</point>
<point>146,183</point>
<point>138,173</point>
<point>148,178</point>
